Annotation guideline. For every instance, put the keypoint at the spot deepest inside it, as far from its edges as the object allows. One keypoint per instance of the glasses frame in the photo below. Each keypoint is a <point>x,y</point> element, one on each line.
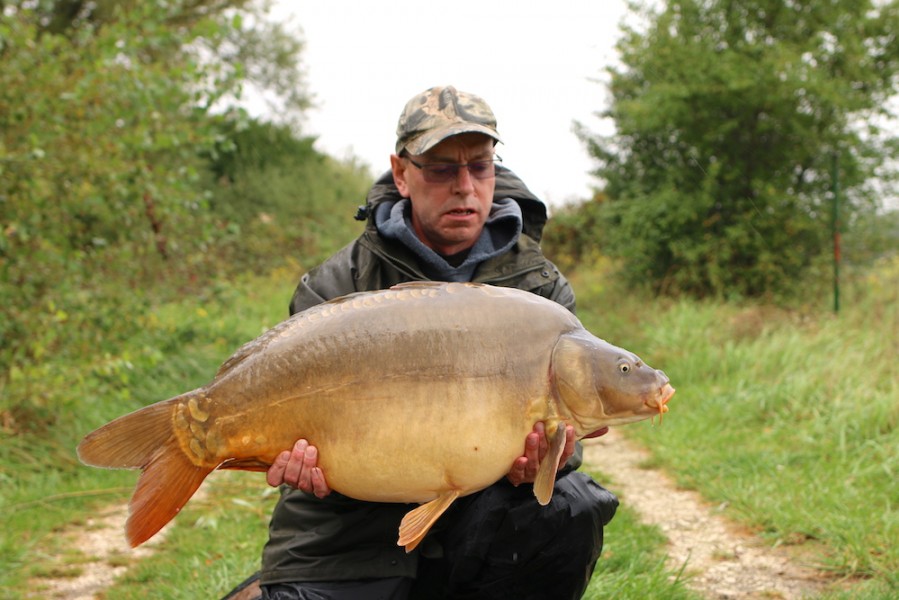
<point>431,177</point>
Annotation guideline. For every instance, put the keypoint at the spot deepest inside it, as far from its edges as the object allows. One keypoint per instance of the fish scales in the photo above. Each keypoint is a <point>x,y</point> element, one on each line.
<point>412,367</point>
<point>421,393</point>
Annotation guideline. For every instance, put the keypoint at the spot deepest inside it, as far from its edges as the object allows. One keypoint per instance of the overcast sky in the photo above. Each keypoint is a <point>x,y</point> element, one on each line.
<point>535,63</point>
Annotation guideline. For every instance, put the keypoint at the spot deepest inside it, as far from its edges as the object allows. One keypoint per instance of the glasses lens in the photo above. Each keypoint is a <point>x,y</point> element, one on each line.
<point>440,173</point>
<point>446,172</point>
<point>482,169</point>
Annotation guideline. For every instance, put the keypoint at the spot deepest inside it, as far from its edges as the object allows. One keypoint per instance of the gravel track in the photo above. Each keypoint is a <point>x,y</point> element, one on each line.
<point>720,559</point>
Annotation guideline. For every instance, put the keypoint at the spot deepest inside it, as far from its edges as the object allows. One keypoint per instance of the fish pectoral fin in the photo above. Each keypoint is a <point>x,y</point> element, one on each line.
<point>417,522</point>
<point>549,466</point>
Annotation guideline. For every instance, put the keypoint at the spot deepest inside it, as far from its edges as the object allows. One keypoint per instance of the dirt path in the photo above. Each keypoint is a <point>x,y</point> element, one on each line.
<point>722,561</point>
<point>96,555</point>
<point>105,555</point>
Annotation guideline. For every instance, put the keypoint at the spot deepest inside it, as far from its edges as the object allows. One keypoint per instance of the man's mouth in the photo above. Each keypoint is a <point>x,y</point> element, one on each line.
<point>461,212</point>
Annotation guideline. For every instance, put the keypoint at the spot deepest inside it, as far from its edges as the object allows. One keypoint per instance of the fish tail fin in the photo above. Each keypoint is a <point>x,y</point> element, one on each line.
<point>130,441</point>
<point>145,439</point>
<point>164,487</point>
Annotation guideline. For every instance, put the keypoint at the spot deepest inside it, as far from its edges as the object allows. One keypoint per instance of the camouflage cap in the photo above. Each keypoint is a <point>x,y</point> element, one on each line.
<point>441,112</point>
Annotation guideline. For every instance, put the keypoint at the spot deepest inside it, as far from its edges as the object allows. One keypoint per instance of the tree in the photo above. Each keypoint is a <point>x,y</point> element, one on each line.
<point>729,115</point>
<point>105,122</point>
<point>256,50</point>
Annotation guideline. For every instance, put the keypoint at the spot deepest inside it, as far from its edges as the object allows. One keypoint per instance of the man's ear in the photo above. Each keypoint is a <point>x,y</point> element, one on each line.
<point>399,175</point>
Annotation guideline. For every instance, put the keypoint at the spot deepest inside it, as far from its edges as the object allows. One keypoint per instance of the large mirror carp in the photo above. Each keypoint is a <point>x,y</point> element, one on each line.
<point>421,393</point>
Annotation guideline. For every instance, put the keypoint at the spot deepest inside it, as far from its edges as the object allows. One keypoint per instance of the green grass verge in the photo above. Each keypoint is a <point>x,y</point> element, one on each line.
<point>789,418</point>
<point>632,565</point>
<point>50,407</point>
<point>213,545</point>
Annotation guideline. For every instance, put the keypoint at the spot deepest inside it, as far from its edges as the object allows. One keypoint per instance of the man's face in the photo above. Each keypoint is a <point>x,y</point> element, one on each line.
<point>448,217</point>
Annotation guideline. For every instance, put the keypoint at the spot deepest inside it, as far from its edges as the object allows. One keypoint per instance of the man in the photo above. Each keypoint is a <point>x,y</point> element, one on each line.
<point>448,212</point>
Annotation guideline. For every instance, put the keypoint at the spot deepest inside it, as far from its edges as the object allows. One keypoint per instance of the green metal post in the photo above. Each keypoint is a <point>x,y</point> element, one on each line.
<point>835,229</point>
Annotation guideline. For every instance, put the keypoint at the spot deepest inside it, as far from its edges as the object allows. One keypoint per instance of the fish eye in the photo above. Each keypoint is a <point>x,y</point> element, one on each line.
<point>624,367</point>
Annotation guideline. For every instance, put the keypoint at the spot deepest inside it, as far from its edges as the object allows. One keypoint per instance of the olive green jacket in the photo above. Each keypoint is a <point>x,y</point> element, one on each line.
<point>372,262</point>
<point>338,538</point>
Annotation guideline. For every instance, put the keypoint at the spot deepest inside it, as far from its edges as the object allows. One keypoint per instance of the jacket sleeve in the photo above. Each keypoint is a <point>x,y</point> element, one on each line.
<point>563,294</point>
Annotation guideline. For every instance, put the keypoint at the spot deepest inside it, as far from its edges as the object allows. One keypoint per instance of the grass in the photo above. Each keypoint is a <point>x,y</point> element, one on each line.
<point>632,564</point>
<point>171,349</point>
<point>786,417</point>
<point>215,543</point>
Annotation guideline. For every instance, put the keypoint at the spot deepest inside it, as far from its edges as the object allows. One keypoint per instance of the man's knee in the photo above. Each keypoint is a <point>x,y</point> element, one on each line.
<point>504,544</point>
<point>589,503</point>
<point>390,588</point>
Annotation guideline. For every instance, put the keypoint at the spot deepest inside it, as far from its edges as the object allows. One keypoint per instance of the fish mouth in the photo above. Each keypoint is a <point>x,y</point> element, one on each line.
<point>660,403</point>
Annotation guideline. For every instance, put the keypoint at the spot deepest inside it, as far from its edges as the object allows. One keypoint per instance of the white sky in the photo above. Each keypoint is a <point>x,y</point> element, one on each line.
<point>535,62</point>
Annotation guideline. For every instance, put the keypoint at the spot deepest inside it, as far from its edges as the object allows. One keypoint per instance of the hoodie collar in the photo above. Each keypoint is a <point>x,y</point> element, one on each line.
<point>393,220</point>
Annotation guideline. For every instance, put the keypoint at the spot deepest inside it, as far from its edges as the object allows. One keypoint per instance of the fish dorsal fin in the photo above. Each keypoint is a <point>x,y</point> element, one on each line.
<point>416,524</point>
<point>411,285</point>
<point>546,474</point>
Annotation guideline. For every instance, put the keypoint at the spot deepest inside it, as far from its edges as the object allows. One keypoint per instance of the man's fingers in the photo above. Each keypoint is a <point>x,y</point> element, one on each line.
<point>569,445</point>
<point>516,474</point>
<point>319,485</point>
<point>299,468</point>
<point>275,475</point>
<point>532,446</point>
<point>295,463</point>
<point>308,463</point>
<point>542,446</point>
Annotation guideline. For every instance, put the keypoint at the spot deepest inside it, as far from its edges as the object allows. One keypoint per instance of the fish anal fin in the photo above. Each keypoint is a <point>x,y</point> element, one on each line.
<point>546,473</point>
<point>417,522</point>
<point>164,487</point>
<point>246,464</point>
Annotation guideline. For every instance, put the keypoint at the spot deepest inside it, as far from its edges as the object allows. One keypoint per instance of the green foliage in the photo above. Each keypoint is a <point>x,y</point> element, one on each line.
<point>728,118</point>
<point>98,164</point>
<point>116,185</point>
<point>574,233</point>
<point>276,197</point>
<point>252,48</point>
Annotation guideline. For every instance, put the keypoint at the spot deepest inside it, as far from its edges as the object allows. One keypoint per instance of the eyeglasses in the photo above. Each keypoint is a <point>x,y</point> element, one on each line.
<point>446,172</point>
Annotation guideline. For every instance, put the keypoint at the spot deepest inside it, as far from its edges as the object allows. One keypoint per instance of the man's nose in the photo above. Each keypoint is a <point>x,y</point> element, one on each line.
<point>464,182</point>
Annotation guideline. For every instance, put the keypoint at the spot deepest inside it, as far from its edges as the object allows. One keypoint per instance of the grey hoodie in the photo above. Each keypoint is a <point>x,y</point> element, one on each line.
<point>501,231</point>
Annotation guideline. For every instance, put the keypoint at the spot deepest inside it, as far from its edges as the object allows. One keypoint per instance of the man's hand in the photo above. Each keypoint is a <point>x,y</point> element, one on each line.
<point>524,469</point>
<point>299,468</point>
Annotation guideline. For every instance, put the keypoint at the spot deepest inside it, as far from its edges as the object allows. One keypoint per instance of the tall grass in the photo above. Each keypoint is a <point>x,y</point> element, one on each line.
<point>790,419</point>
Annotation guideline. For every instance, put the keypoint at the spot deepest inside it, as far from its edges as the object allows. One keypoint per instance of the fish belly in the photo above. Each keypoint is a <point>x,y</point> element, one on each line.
<point>394,441</point>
